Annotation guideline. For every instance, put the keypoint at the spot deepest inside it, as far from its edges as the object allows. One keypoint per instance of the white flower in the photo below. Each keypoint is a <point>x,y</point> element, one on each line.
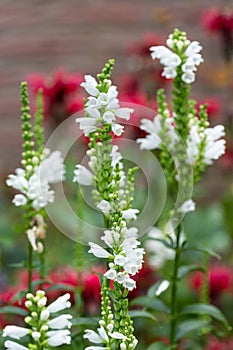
<point>108,116</point>
<point>57,338</point>
<point>117,129</point>
<point>187,206</point>
<point>111,274</point>
<point>169,72</point>
<point>95,348</point>
<point>19,200</point>
<point>90,85</point>
<point>124,113</point>
<point>115,155</point>
<point>36,335</point>
<point>129,283</point>
<point>60,303</point>
<point>104,206</point>
<point>159,253</point>
<point>15,332</point>
<point>130,214</point>
<point>215,148</point>
<point>17,181</point>
<point>98,251</point>
<point>83,176</point>
<point>60,322</point>
<point>94,337</point>
<point>188,77</point>
<point>32,236</point>
<point>193,48</point>
<point>11,345</point>
<point>87,124</point>
<point>162,287</point>
<point>52,168</point>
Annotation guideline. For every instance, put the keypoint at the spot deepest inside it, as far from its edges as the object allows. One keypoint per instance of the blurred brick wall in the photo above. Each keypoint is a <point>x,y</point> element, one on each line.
<point>39,36</point>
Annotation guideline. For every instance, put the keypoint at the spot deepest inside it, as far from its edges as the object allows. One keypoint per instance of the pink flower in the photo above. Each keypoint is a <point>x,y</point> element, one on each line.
<point>215,20</point>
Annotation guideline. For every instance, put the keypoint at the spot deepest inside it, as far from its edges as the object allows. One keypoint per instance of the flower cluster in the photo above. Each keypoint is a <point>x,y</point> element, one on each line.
<point>48,169</point>
<point>185,55</point>
<point>209,140</point>
<point>113,193</point>
<point>43,330</point>
<point>102,107</point>
<point>127,258</point>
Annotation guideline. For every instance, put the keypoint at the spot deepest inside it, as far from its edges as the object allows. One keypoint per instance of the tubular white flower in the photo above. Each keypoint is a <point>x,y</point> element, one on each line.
<point>124,113</point>
<point>117,129</point>
<point>60,303</point>
<point>15,332</point>
<point>83,176</point>
<point>60,337</point>
<point>52,168</point>
<point>11,345</point>
<point>61,322</point>
<point>90,85</point>
<point>130,214</point>
<point>19,200</point>
<point>87,124</point>
<point>104,206</point>
<point>188,206</point>
<point>162,287</point>
<point>44,315</point>
<point>98,251</point>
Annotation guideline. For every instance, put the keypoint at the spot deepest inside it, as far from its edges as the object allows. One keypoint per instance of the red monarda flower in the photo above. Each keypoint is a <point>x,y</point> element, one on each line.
<point>214,20</point>
<point>216,344</point>
<point>220,280</point>
<point>59,92</point>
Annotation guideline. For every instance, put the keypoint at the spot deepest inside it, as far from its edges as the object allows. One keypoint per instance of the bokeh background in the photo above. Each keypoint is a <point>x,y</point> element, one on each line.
<point>51,44</point>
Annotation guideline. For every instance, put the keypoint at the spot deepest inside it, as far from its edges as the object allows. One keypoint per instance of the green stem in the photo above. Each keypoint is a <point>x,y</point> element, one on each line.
<point>30,267</point>
<point>79,255</point>
<point>42,266</point>
<point>173,317</point>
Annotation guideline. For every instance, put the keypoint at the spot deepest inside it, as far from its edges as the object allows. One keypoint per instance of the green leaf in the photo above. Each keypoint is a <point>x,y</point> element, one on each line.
<point>206,309</point>
<point>164,241</point>
<point>159,346</point>
<point>153,304</point>
<point>142,313</point>
<point>61,286</point>
<point>85,321</point>
<point>185,269</point>
<point>13,310</point>
<point>205,251</point>
<point>189,326</point>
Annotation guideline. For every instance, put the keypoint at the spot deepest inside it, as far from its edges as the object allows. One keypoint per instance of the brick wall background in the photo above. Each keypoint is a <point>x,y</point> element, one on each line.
<point>40,36</point>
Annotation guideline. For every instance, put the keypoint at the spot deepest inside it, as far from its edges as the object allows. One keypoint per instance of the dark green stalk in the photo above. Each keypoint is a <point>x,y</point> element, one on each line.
<point>174,280</point>
<point>79,255</point>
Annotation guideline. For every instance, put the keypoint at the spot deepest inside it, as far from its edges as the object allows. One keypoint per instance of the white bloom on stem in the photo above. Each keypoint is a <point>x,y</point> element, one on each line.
<point>117,129</point>
<point>162,287</point>
<point>82,175</point>
<point>52,168</point>
<point>60,303</point>
<point>187,206</point>
<point>95,337</point>
<point>215,148</point>
<point>90,85</point>
<point>15,332</point>
<point>19,200</point>
<point>98,251</point>
<point>60,322</point>
<point>104,206</point>
<point>44,315</point>
<point>11,345</point>
<point>124,113</point>
<point>130,214</point>
<point>87,124</point>
<point>158,252</point>
<point>115,155</point>
<point>60,337</point>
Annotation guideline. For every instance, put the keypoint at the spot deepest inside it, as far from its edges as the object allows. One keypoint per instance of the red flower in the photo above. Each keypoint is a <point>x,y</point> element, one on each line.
<point>214,20</point>
<point>59,91</point>
<point>220,280</point>
<point>213,106</point>
<point>142,48</point>
<point>216,344</point>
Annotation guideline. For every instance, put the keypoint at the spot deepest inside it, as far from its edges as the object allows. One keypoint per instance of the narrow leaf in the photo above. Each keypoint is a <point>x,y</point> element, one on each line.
<point>189,326</point>
<point>13,310</point>
<point>185,269</point>
<point>142,313</point>
<point>159,346</point>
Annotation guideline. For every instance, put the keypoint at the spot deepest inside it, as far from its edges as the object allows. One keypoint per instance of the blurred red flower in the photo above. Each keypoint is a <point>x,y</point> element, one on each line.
<point>216,20</point>
<point>220,280</point>
<point>216,344</point>
<point>60,93</point>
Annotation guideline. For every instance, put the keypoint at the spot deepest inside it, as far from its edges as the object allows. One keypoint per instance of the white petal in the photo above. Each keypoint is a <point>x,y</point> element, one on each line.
<point>104,206</point>
<point>15,332</point>
<point>92,336</point>
<point>130,214</point>
<point>117,129</point>
<point>187,206</point>
<point>11,345</point>
<point>60,322</point>
<point>19,200</point>
<point>108,117</point>
<point>83,176</point>
<point>60,303</point>
<point>162,287</point>
<point>57,338</point>
<point>98,251</point>
<point>124,113</point>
